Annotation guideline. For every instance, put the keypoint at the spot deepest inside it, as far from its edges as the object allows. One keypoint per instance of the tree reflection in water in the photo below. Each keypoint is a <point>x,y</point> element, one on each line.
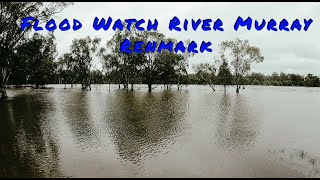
<point>79,121</point>
<point>143,125</point>
<point>237,126</point>
<point>27,145</point>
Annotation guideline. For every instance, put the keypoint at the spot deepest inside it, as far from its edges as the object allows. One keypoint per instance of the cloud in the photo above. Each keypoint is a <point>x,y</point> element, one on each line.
<point>297,52</point>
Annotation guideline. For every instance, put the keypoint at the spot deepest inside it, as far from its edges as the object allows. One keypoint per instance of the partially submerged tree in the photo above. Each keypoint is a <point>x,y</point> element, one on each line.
<point>123,67</point>
<point>172,67</point>
<point>129,68</point>
<point>169,66</point>
<point>82,51</point>
<point>207,73</point>
<point>242,55</point>
<point>97,77</point>
<point>66,69</point>
<point>224,74</point>
<point>110,67</point>
<point>151,61</point>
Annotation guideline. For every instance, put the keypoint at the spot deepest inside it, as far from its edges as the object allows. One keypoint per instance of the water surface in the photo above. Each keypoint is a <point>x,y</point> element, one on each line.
<point>194,132</point>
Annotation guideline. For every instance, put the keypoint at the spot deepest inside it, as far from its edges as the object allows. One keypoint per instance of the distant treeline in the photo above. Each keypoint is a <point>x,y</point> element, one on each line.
<point>276,79</point>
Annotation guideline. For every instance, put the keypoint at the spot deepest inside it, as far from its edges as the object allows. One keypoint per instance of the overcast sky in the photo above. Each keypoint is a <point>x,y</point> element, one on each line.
<point>289,52</point>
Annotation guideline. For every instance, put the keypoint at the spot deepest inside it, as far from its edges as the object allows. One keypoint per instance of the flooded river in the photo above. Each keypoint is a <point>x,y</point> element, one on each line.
<point>194,132</point>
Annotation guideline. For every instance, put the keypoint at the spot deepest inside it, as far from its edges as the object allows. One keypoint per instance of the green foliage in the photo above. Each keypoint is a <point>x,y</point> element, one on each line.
<point>82,51</point>
<point>66,69</point>
<point>12,37</point>
<point>34,60</point>
<point>149,68</point>
<point>97,77</point>
<point>241,55</point>
<point>275,79</point>
<point>224,74</point>
<point>206,74</point>
<point>312,81</point>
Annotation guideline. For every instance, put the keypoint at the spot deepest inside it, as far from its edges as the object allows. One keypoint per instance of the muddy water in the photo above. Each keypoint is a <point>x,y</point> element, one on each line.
<point>194,132</point>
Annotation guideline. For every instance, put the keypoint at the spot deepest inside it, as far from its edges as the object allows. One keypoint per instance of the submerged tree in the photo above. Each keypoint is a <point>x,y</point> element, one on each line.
<point>97,77</point>
<point>163,66</point>
<point>82,51</point>
<point>224,74</point>
<point>66,69</point>
<point>151,68</point>
<point>122,67</point>
<point>147,67</point>
<point>182,64</point>
<point>110,67</point>
<point>172,67</point>
<point>206,73</point>
<point>242,55</point>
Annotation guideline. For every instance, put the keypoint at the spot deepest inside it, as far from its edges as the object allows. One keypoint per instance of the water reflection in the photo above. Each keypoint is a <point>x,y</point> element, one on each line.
<point>79,121</point>
<point>145,124</point>
<point>28,148</point>
<point>237,126</point>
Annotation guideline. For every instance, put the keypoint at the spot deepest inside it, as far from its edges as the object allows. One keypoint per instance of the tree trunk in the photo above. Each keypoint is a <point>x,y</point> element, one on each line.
<point>125,86</point>
<point>3,93</point>
<point>5,72</point>
<point>225,88</point>
<point>109,86</point>
<point>179,82</point>
<point>131,86</point>
<point>126,82</point>
<point>149,87</point>
<point>211,85</point>
<point>237,83</point>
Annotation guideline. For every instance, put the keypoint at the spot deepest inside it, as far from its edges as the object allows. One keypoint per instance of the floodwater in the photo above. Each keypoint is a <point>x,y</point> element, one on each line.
<point>194,132</point>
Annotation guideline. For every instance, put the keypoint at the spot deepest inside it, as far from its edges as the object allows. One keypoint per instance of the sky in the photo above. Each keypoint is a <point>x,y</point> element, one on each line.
<point>288,52</point>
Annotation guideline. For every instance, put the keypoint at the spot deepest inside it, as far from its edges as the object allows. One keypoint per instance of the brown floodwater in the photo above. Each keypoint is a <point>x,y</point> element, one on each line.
<point>194,132</point>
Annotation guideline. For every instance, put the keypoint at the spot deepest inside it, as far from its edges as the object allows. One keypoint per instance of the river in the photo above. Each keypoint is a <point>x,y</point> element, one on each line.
<point>194,132</point>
